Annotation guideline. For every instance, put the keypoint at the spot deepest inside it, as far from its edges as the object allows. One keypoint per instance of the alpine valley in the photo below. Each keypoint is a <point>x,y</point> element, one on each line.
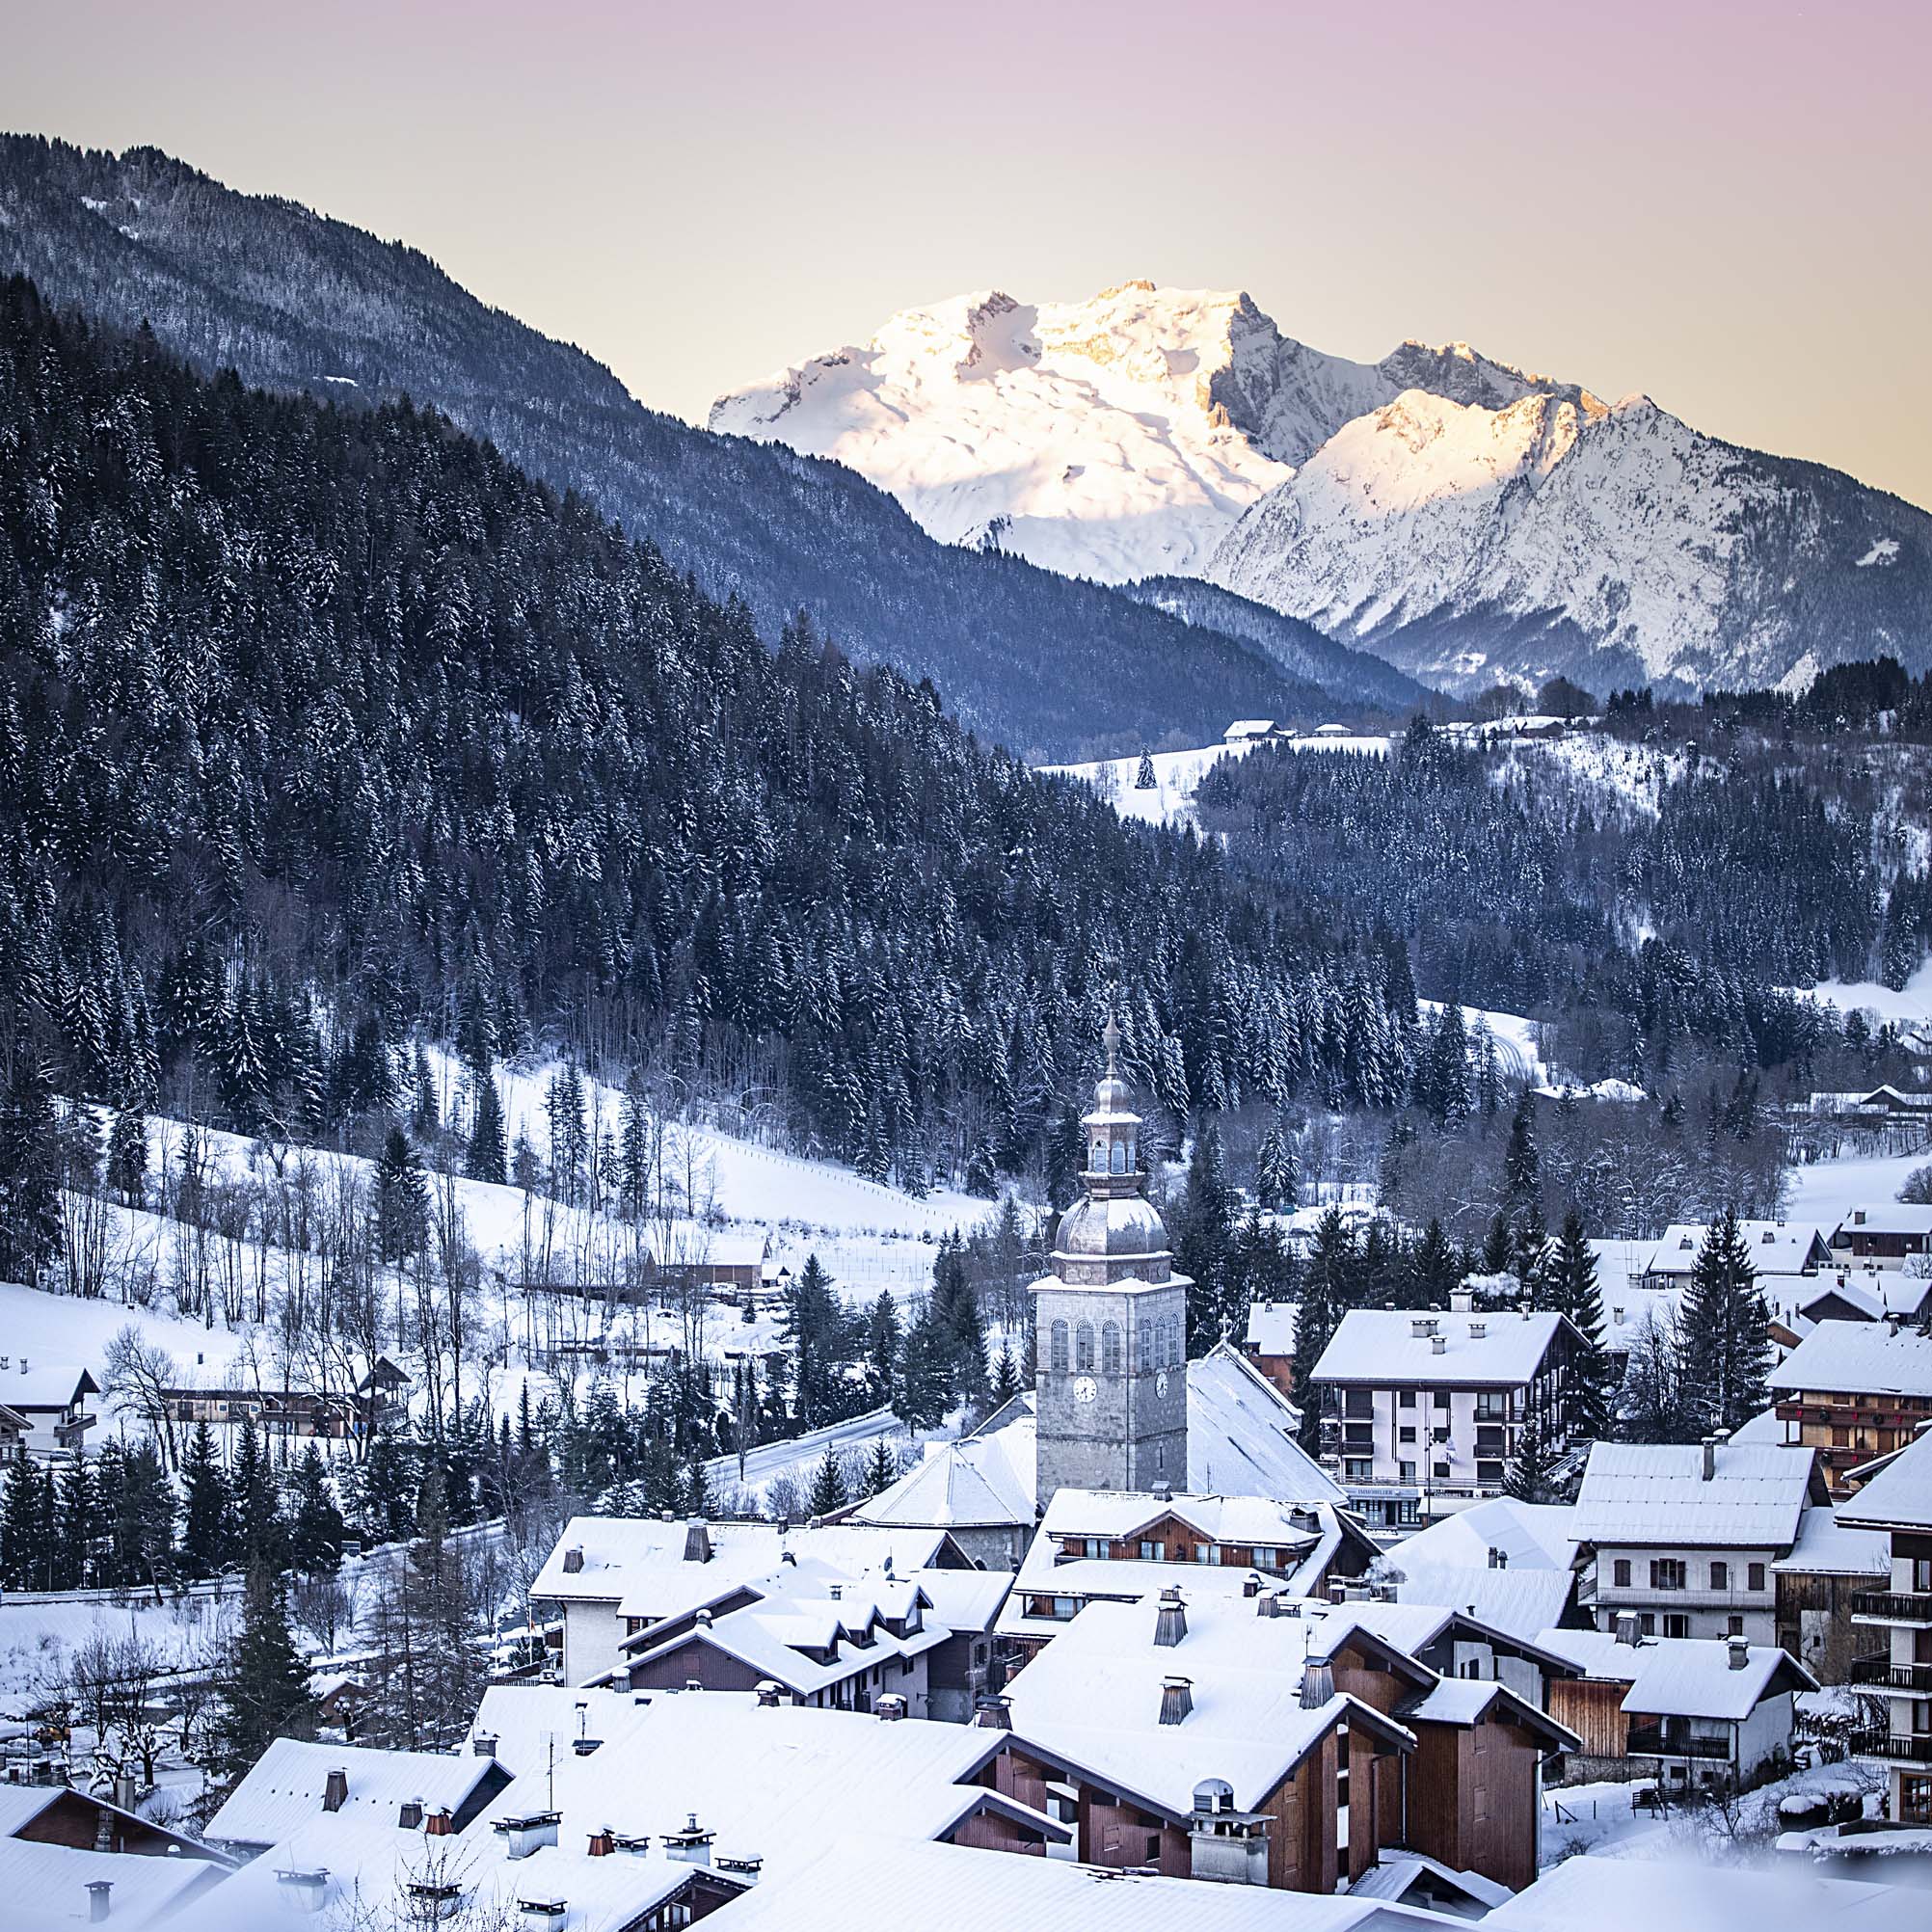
<point>1459,517</point>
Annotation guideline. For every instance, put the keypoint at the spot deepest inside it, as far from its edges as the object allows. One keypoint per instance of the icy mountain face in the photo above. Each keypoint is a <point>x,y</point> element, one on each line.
<point>1459,518</point>
<point>1612,543</point>
<point>1116,439</point>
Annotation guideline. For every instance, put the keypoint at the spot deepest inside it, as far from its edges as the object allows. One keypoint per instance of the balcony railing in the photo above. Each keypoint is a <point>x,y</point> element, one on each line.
<point>1901,1747</point>
<point>1653,1741</point>
<point>1893,1677</point>
<point>1904,1606</point>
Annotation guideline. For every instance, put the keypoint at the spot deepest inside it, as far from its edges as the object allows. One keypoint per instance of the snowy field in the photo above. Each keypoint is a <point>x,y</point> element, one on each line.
<point>1177,774</point>
<point>1910,1008</point>
<point>1827,1192</point>
<point>1636,774</point>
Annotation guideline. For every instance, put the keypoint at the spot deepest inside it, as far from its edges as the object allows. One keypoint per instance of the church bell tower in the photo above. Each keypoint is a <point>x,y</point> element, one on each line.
<point>1109,1384</point>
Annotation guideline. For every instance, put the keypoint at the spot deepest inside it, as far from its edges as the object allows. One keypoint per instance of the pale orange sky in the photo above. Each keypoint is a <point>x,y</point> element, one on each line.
<point>1725,206</point>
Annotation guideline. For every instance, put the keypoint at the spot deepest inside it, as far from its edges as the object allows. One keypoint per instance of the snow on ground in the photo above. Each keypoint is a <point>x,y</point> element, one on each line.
<point>1826,1191</point>
<point>1910,1007</point>
<point>1177,774</point>
<point>1635,773</point>
<point>40,1328</point>
<point>1519,1040</point>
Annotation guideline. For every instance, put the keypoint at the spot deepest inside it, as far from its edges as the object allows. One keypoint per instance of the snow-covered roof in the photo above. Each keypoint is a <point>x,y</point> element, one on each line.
<point>1857,1357</point>
<point>1094,1698</point>
<point>640,1562</point>
<point>1629,1310</point>
<point>45,1886</point>
<point>1271,1327</point>
<point>1401,1872</point>
<point>282,1790</point>
<point>1682,1677</point>
<point>966,1484</point>
<point>860,1884</point>
<point>1885,1217</point>
<point>1242,1434</point>
<point>1122,1515</point>
<point>43,1386</point>
<point>1827,1547</point>
<point>1539,1536</point>
<point>1643,1492</point>
<point>1689,1895</point>
<point>1249,728</point>
<point>1775,1246</point>
<point>1619,1263</point>
<point>1519,1602</point>
<point>528,1720</point>
<point>1899,1497</point>
<point>1389,1348</point>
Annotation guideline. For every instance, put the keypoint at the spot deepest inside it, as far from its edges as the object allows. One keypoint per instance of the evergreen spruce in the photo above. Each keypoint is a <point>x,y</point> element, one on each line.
<point>127,1156</point>
<point>31,1225</point>
<point>1143,776</point>
<point>263,1687</point>
<point>315,1526</point>
<point>1531,1473</point>
<point>882,1347</point>
<point>1722,1341</point>
<point>828,1487</point>
<point>881,1467</point>
<point>402,1200</point>
<point>1326,1294</point>
<point>813,1328</point>
<point>1277,1170</point>
<point>1569,1287</point>
<point>1006,1382</point>
<point>485,1158</point>
<point>207,1527</point>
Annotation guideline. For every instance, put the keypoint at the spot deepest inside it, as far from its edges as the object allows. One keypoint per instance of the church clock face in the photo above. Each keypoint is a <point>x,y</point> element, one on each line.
<point>1083,1389</point>
<point>1161,1382</point>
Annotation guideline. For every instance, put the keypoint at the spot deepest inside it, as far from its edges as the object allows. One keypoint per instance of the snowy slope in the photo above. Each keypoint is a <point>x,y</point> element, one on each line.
<point>1457,517</point>
<point>1118,437</point>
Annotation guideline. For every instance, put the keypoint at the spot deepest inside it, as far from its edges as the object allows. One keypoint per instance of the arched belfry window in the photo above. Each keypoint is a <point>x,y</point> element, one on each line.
<point>1082,1347</point>
<point>1143,1354</point>
<point>1110,1347</point>
<point>1057,1349</point>
<point>1099,1163</point>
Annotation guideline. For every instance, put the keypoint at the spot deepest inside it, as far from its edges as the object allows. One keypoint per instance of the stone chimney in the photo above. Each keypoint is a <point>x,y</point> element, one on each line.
<point>993,1713</point>
<point>409,1816</point>
<point>336,1788</point>
<point>1740,1653</point>
<point>1171,1621</point>
<point>697,1541</point>
<point>890,1708</point>
<point>1178,1699</point>
<point>1163,1490</point>
<point>572,1559</point>
<point>484,1744</point>
<point>99,1892</point>
<point>1709,1458</point>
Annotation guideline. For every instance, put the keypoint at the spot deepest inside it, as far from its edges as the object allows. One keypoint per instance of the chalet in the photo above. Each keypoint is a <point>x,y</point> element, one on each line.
<point>1248,731</point>
<point>968,1664</point>
<point>1097,1546</point>
<point>1854,1391</point>
<point>1271,1741</point>
<point>1781,1252</point>
<point>1270,1343</point>
<point>1685,1536</point>
<point>15,1429</point>
<point>612,1578</point>
<point>1826,1571</point>
<point>51,1399</point>
<point>58,1814</point>
<point>978,1490</point>
<point>384,1395</point>
<point>279,1414</point>
<point>1890,1233</point>
<point>697,1256</point>
<point>1706,1710</point>
<point>1425,1407</point>
<point>1896,1502</point>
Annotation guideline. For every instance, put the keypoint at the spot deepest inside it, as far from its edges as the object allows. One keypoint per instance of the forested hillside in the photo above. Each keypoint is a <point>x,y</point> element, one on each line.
<point>1051,667</point>
<point>319,725</point>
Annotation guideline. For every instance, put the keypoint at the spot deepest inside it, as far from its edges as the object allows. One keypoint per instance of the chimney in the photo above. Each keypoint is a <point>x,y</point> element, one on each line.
<point>1478,1329</point>
<point>522,1835</point>
<point>694,1683</point>
<point>702,1619</point>
<point>1629,1629</point>
<point>1251,1585</point>
<point>541,1915</point>
<point>1170,1620</point>
<point>1460,1301</point>
<point>1709,1456</point>
<point>1439,1345</point>
<point>1163,1490</point>
<point>890,1708</point>
<point>1740,1653</point>
<point>1267,1606</point>
<point>836,1591</point>
<point>602,1843</point>
<point>308,1889</point>
<point>993,1713</point>
<point>669,1516</point>
<point>484,1744</point>
<point>409,1816</point>
<point>573,1559</point>
<point>123,1789</point>
<point>437,1824</point>
<point>1419,1328</point>
<point>1178,1699</point>
<point>98,1892</point>
<point>690,1847</point>
<point>767,1693</point>
<point>336,1788</point>
<point>697,1541</point>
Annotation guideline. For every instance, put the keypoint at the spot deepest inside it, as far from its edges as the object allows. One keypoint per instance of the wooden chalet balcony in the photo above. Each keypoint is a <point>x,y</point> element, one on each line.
<point>1893,1607</point>
<point>1893,1677</point>
<point>1652,1740</point>
<point>1900,1747</point>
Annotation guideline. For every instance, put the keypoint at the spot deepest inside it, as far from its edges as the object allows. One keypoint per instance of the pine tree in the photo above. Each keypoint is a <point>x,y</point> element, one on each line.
<point>925,1378</point>
<point>402,1200</point>
<point>76,1526</point>
<point>31,1223</point>
<point>1326,1298</point>
<point>1531,1474</point>
<point>263,1687</point>
<point>138,1511</point>
<point>813,1327</point>
<point>1143,777</point>
<point>1277,1170</point>
<point>26,1544</point>
<point>1005,1383</point>
<point>207,1528</point>
<point>1438,1269</point>
<point>1722,1338</point>
<point>955,1312</point>
<point>1201,1232</point>
<point>828,1487</point>
<point>485,1158</point>
<point>127,1156</point>
<point>425,1116</point>
<point>1569,1287</point>
<point>881,1468</point>
<point>1523,1166</point>
<point>315,1527</point>
<point>1496,1246</point>
<point>260,1535</point>
<point>882,1345</point>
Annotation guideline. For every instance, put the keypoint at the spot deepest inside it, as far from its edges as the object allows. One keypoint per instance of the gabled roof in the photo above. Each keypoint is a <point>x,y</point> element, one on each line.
<point>1858,1358</point>
<point>1381,1348</point>
<point>1517,1603</point>
<point>1412,1625</point>
<point>47,1386</point>
<point>1899,1497</point>
<point>1401,1872</point>
<point>1122,1515</point>
<point>1885,1217</point>
<point>1691,1895</point>
<point>1466,1701</point>
<point>1682,1677</point>
<point>1271,1327</point>
<point>1539,1536</point>
<point>1641,1493</point>
<point>967,1485</point>
<point>282,1790</point>
<point>1775,1246</point>
<point>1242,1434</point>
<point>1827,1547</point>
<point>1092,1699</point>
<point>46,1885</point>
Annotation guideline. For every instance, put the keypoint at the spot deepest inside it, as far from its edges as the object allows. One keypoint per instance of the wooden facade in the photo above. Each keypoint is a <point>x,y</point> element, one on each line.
<point>1473,1798</point>
<point>1848,1427</point>
<point>1595,1712</point>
